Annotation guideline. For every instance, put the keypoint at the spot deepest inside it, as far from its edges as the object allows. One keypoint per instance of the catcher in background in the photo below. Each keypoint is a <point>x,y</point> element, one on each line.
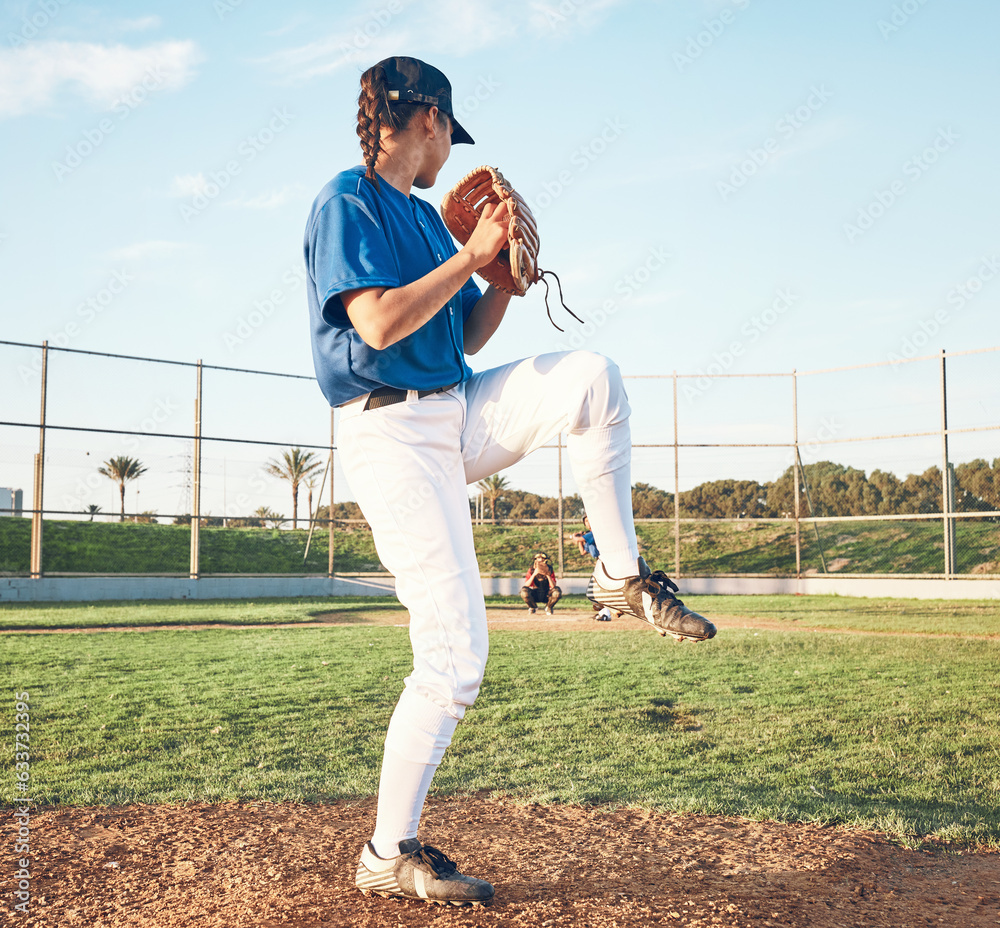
<point>540,585</point>
<point>393,315</point>
<point>585,541</point>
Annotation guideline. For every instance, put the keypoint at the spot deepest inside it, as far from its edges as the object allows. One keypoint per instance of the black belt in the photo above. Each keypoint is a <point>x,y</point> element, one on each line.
<point>387,396</point>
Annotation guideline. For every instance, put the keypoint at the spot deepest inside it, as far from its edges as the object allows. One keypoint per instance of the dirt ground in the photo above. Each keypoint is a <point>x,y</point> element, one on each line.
<point>263,865</point>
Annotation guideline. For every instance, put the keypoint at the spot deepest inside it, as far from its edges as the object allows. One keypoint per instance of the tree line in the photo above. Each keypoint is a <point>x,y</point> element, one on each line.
<point>826,489</point>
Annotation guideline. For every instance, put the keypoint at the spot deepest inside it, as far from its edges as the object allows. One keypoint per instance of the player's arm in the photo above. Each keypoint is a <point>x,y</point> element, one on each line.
<point>484,319</point>
<point>384,315</point>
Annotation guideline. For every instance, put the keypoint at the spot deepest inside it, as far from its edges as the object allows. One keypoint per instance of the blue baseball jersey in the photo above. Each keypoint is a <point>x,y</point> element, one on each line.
<point>359,237</point>
<point>589,544</point>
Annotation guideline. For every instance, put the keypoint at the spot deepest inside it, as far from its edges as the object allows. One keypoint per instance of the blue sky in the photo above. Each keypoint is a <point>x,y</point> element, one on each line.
<point>744,186</point>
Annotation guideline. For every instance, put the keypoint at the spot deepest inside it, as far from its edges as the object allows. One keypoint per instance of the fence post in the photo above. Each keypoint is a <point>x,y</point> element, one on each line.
<point>796,472</point>
<point>677,492</point>
<point>329,539</point>
<point>196,483</point>
<point>947,501</point>
<point>560,503</point>
<point>38,490</point>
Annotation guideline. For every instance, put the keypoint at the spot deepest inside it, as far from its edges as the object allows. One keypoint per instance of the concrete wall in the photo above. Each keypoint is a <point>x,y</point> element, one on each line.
<point>889,587</point>
<point>95,589</point>
<point>895,587</point>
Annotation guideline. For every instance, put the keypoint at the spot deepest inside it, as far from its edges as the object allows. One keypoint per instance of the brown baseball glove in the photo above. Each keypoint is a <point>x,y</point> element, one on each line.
<point>515,268</point>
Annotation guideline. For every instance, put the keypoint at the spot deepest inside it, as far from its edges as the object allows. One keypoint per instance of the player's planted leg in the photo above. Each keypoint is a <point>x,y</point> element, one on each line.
<point>650,596</point>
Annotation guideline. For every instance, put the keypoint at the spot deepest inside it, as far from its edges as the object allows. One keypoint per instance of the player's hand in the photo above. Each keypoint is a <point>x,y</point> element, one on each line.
<point>489,236</point>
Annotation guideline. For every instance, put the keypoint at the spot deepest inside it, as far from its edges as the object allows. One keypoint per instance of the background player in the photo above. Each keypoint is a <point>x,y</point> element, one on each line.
<point>587,545</point>
<point>393,313</point>
<point>540,586</point>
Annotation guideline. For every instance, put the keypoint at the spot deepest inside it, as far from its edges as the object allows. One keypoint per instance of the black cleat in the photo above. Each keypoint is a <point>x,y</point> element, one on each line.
<point>419,872</point>
<point>650,596</point>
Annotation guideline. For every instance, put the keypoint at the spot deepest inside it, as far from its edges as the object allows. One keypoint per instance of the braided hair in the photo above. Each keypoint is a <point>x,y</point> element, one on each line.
<point>375,112</point>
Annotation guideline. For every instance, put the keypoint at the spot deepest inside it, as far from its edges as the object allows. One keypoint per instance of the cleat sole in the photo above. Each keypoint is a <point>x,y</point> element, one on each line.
<point>459,903</point>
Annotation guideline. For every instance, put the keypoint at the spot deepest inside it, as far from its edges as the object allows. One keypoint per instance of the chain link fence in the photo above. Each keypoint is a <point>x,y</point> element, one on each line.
<point>121,465</point>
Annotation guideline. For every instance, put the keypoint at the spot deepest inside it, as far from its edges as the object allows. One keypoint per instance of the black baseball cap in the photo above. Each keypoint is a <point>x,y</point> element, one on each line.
<point>410,80</point>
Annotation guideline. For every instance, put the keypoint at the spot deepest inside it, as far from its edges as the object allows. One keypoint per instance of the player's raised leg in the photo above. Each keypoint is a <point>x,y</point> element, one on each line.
<point>514,409</point>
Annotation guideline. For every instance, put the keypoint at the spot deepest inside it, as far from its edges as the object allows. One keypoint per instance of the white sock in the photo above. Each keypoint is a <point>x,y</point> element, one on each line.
<point>419,733</point>
<point>601,465</point>
<point>402,790</point>
<point>606,580</point>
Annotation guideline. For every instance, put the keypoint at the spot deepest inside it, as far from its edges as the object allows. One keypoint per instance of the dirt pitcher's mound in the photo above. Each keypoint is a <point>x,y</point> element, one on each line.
<point>262,865</point>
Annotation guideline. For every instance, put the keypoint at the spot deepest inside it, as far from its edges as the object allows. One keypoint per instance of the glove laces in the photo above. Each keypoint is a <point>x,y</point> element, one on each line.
<point>548,312</point>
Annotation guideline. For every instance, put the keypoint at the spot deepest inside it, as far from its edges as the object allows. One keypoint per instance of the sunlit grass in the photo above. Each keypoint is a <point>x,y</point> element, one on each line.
<point>895,733</point>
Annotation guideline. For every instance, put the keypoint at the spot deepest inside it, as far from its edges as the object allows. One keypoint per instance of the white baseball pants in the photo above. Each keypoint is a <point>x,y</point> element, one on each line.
<point>409,466</point>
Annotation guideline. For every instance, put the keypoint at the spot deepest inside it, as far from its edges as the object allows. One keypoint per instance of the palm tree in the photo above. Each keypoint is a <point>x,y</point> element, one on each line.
<point>122,469</point>
<point>493,488</point>
<point>295,466</point>
<point>310,486</point>
<point>92,510</point>
<point>266,514</point>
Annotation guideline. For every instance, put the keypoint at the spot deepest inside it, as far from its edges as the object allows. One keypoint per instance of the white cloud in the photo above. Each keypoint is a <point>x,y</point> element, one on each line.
<point>327,55</point>
<point>446,27</point>
<point>815,138</point>
<point>271,200</point>
<point>299,19</point>
<point>141,24</point>
<point>140,250</point>
<point>562,19</point>
<point>32,76</point>
<point>184,186</point>
<point>188,185</point>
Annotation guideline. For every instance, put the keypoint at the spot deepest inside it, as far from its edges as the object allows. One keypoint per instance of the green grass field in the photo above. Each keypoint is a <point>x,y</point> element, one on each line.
<point>750,546</point>
<point>895,732</point>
